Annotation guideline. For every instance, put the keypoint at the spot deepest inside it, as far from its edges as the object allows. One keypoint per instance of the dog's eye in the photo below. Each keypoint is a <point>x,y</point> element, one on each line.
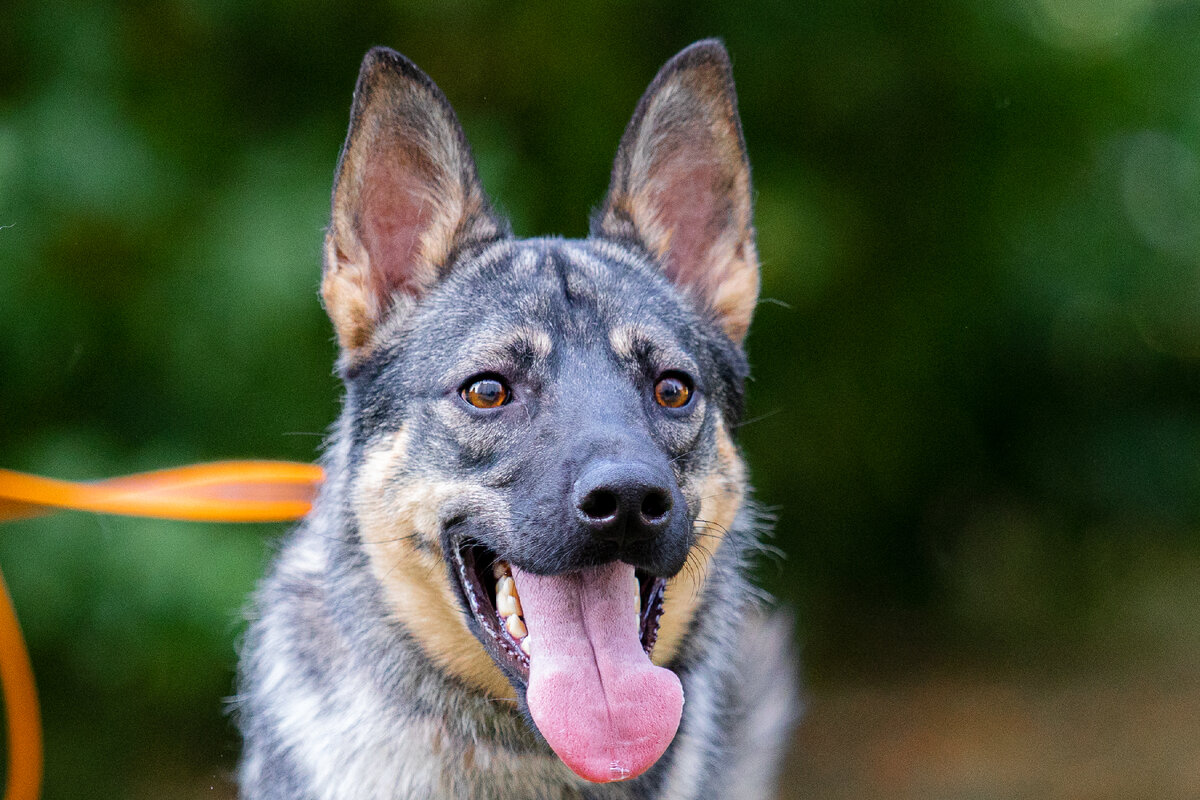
<point>673,390</point>
<point>486,392</point>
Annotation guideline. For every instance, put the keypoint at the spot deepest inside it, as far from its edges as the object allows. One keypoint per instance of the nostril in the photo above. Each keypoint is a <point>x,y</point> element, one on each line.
<point>655,505</point>
<point>599,504</point>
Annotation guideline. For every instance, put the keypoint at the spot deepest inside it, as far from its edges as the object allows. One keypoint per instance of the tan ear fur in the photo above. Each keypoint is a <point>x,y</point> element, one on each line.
<point>406,197</point>
<point>681,185</point>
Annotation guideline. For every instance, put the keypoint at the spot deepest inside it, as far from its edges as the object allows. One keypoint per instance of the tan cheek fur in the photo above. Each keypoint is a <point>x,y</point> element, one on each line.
<point>415,581</point>
<point>721,493</point>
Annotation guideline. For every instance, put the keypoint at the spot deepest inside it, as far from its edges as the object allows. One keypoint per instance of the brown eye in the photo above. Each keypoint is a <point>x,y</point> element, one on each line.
<point>486,393</point>
<point>673,390</point>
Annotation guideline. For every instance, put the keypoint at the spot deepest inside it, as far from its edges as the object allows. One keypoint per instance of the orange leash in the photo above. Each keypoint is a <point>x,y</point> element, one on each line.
<point>21,706</point>
<point>225,491</point>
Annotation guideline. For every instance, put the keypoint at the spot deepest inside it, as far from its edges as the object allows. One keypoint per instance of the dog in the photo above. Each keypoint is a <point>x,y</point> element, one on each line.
<point>526,574</point>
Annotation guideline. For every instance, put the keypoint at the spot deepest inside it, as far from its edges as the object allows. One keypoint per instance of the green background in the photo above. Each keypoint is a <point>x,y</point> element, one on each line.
<point>975,398</point>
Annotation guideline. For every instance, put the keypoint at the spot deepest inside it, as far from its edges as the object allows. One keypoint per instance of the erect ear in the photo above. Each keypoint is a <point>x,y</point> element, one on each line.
<point>681,185</point>
<point>406,198</point>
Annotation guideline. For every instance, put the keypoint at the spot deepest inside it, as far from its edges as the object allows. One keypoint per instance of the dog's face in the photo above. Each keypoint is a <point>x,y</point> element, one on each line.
<point>543,460</point>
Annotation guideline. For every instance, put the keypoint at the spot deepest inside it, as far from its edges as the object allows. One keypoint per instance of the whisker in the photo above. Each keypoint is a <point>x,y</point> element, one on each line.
<point>759,418</point>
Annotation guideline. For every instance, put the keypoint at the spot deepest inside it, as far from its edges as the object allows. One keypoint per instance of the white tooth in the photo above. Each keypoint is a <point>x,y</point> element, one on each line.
<point>525,644</point>
<point>500,569</point>
<point>506,604</point>
<point>637,595</point>
<point>516,627</point>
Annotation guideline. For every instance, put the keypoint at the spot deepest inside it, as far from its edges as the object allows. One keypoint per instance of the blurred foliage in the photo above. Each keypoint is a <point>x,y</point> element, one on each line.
<point>975,404</point>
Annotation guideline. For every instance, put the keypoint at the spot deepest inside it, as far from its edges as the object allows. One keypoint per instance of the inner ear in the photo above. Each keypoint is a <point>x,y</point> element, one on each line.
<point>681,185</point>
<point>406,199</point>
<point>395,210</point>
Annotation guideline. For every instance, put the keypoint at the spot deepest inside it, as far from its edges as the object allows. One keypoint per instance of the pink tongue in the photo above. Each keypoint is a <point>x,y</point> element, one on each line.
<point>604,708</point>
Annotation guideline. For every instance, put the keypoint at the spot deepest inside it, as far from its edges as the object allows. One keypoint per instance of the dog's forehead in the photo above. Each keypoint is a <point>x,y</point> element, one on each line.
<point>548,291</point>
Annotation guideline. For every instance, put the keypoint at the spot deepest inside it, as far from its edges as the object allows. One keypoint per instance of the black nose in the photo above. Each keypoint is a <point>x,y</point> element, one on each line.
<point>624,502</point>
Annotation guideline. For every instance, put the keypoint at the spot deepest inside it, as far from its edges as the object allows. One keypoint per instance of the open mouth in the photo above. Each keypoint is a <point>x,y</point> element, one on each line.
<point>495,602</point>
<point>581,643</point>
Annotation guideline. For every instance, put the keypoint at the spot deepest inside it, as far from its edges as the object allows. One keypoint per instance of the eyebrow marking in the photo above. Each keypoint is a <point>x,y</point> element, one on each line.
<point>626,339</point>
<point>639,341</point>
<point>535,340</point>
<point>524,342</point>
<point>632,341</point>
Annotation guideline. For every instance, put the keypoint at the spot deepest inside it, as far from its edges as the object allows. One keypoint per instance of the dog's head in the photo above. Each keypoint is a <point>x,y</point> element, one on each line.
<point>541,429</point>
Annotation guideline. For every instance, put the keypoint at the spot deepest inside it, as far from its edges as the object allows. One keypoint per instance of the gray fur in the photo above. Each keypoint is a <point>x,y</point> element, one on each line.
<point>339,701</point>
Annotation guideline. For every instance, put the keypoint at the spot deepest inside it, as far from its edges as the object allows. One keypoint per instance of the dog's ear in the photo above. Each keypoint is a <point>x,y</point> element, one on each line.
<point>681,185</point>
<point>406,198</point>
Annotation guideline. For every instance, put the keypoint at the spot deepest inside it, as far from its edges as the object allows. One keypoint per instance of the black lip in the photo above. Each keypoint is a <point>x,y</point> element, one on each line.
<point>469,569</point>
<point>472,565</point>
